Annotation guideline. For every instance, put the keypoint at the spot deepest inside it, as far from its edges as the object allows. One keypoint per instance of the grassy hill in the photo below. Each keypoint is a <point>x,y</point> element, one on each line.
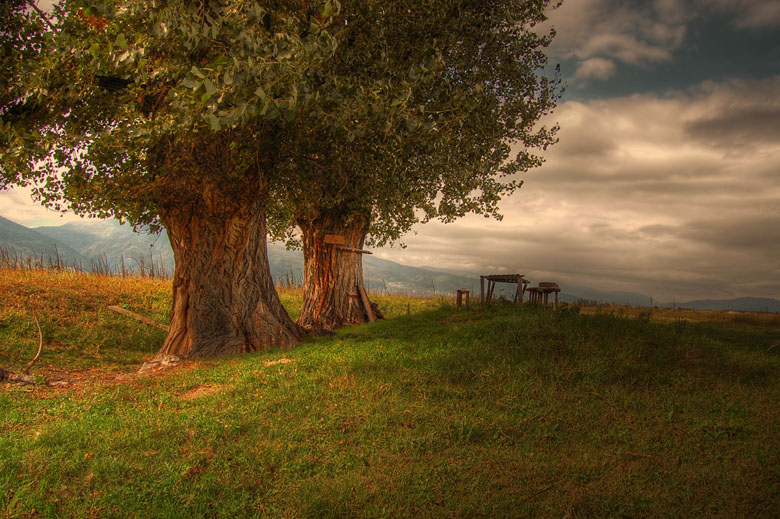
<point>532,413</point>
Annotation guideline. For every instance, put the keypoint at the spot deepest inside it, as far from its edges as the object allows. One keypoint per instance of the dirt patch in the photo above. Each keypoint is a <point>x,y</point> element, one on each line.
<point>57,381</point>
<point>200,391</point>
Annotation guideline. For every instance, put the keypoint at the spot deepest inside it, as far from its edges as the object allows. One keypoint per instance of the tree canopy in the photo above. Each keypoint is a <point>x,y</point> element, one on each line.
<point>467,84</point>
<point>114,85</point>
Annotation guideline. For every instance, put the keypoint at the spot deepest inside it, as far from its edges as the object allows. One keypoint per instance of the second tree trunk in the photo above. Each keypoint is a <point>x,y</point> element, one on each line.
<point>333,273</point>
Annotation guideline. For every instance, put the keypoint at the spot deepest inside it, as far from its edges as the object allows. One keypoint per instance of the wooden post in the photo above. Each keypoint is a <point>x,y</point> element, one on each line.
<point>459,298</point>
<point>482,293</point>
<point>366,303</point>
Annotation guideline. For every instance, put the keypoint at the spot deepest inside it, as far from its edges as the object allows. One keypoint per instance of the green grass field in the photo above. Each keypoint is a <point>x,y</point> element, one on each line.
<point>441,413</point>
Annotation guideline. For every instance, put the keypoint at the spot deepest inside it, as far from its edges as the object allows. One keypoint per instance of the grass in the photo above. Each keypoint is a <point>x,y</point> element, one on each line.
<point>438,413</point>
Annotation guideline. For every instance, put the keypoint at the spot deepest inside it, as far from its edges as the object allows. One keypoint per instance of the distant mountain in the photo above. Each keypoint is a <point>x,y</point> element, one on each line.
<point>113,241</point>
<point>573,294</point>
<point>24,242</point>
<point>741,304</point>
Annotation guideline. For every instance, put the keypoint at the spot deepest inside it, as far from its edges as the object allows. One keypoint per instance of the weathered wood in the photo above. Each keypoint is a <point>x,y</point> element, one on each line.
<point>331,275</point>
<point>485,299</point>
<point>137,317</point>
<point>25,377</point>
<point>334,239</point>
<point>357,251</point>
<point>504,278</point>
<point>40,346</point>
<point>366,303</point>
<point>459,298</point>
<point>546,288</point>
<point>481,292</point>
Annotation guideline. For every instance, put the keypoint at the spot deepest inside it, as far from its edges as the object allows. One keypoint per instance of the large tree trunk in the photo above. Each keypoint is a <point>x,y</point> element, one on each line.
<point>333,273</point>
<point>224,300</point>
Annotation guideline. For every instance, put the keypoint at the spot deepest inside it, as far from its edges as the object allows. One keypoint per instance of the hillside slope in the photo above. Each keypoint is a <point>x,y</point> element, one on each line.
<point>25,242</point>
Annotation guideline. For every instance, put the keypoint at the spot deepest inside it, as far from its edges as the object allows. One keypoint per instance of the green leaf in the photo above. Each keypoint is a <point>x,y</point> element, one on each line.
<point>214,122</point>
<point>191,82</point>
<point>121,41</point>
<point>327,9</point>
<point>209,86</point>
<point>94,50</point>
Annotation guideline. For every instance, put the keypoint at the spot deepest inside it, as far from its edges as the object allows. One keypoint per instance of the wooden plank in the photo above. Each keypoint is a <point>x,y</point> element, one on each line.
<point>366,303</point>
<point>334,239</point>
<point>358,251</point>
<point>137,317</point>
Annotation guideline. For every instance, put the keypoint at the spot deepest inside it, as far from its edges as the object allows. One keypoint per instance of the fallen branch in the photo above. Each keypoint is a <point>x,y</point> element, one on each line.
<point>137,317</point>
<point>40,346</point>
<point>25,378</point>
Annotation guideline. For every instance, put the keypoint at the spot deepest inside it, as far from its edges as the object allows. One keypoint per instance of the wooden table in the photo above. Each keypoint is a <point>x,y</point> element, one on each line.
<point>518,279</point>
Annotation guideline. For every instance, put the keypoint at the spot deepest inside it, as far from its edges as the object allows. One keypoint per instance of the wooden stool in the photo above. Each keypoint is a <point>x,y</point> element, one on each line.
<point>540,295</point>
<point>459,298</point>
<point>533,295</point>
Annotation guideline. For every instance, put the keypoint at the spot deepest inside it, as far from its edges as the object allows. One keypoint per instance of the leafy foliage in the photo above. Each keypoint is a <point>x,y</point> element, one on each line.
<point>141,105</point>
<point>441,114</point>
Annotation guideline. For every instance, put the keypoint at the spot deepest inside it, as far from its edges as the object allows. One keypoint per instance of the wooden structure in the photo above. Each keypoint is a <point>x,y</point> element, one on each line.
<point>366,303</point>
<point>540,295</point>
<point>459,298</point>
<point>518,279</point>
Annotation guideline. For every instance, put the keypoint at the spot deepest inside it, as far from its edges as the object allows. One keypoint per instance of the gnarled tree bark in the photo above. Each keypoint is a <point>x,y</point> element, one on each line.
<point>224,300</point>
<point>332,273</point>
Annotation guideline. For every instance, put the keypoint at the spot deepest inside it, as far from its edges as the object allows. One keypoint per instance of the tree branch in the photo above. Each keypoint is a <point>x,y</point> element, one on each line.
<point>43,16</point>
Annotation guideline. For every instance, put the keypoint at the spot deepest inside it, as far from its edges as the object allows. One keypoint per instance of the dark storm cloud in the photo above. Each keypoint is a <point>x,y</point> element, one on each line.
<point>743,127</point>
<point>750,232</point>
<point>610,48</point>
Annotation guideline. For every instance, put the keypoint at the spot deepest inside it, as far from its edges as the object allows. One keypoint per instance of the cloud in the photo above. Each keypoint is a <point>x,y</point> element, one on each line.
<point>738,115</point>
<point>598,68</point>
<point>742,128</point>
<point>635,34</point>
<point>644,194</point>
<point>747,14</point>
<point>17,206</point>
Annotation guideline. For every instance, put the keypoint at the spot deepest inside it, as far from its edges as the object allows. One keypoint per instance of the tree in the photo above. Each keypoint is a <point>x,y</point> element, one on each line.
<point>468,84</point>
<point>173,114</point>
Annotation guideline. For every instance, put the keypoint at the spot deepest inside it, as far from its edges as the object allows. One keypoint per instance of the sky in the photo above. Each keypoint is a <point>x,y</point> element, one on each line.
<point>666,177</point>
